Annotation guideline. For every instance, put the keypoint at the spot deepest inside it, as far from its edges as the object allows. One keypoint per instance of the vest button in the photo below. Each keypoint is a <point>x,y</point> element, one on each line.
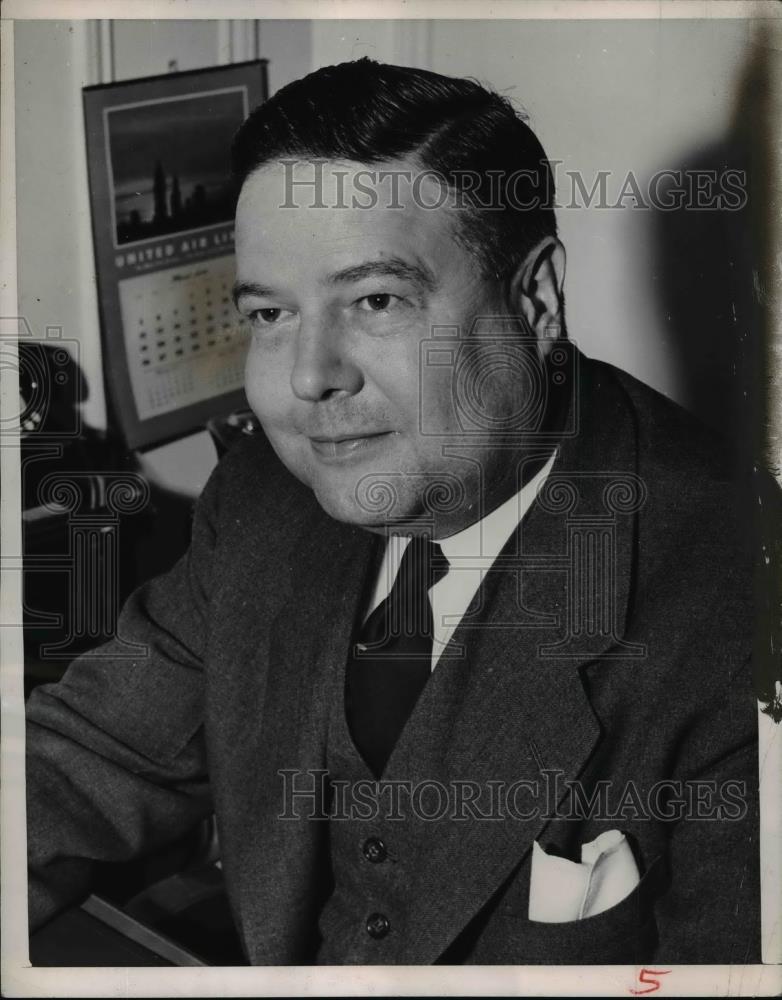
<point>378,925</point>
<point>374,850</point>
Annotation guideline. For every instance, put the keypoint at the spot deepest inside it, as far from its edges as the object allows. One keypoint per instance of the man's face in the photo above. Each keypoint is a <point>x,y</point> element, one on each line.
<point>340,300</point>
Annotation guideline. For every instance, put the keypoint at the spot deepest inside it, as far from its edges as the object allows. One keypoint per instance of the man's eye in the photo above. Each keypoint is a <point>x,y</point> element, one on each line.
<point>266,317</point>
<point>380,302</point>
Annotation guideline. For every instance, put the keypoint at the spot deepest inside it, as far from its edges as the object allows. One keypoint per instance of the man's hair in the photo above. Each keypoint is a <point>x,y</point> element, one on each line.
<point>371,112</point>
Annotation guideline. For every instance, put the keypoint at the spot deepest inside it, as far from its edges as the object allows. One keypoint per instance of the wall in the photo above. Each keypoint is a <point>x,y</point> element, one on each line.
<point>53,60</point>
<point>642,291</point>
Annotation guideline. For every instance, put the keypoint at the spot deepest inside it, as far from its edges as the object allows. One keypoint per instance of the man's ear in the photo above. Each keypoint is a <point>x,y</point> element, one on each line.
<point>535,291</point>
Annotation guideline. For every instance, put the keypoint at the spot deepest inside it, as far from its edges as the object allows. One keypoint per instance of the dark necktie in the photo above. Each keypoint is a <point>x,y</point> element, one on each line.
<point>391,658</point>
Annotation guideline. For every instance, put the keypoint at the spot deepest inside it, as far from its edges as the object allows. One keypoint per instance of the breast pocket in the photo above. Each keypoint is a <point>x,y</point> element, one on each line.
<point>624,934</point>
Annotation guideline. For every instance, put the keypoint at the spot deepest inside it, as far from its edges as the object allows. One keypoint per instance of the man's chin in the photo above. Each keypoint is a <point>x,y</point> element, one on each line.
<point>370,502</point>
<point>347,508</point>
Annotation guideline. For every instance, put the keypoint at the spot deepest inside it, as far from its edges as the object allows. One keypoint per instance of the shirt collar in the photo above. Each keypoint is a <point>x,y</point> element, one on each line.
<point>485,538</point>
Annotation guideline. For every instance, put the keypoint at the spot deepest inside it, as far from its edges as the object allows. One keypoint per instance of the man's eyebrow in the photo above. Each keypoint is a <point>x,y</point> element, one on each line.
<point>393,267</point>
<point>387,267</point>
<point>249,288</point>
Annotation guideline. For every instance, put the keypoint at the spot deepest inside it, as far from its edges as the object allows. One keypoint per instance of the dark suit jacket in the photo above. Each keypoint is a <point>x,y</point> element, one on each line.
<point>240,652</point>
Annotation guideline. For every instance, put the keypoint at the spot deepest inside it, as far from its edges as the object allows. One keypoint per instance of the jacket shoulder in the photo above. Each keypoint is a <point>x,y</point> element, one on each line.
<point>252,495</point>
<point>692,469</point>
<point>671,439</point>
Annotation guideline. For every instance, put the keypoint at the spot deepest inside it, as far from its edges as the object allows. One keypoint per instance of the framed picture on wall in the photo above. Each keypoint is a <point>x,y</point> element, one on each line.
<point>162,202</point>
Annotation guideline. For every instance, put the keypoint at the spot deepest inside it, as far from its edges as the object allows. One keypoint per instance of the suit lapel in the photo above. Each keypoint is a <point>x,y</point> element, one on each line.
<point>514,708</point>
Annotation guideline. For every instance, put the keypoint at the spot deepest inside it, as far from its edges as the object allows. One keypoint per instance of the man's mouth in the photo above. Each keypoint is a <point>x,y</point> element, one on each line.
<point>345,446</point>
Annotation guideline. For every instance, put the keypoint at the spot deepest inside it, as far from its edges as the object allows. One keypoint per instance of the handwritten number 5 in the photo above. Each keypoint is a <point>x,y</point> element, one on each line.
<point>646,976</point>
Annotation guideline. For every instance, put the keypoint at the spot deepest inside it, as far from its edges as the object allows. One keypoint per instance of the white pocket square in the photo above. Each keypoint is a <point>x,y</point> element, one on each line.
<point>562,890</point>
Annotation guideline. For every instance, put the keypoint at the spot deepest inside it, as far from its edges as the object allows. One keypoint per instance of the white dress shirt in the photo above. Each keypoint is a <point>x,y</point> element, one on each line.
<point>470,554</point>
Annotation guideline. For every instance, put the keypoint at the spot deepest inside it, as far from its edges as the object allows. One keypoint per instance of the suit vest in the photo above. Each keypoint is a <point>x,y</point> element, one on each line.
<point>378,831</point>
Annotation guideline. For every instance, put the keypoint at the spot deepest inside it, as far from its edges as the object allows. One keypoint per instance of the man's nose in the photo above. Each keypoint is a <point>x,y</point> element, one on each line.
<point>322,366</point>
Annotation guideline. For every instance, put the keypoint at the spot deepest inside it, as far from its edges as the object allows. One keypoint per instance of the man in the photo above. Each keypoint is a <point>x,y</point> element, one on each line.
<point>459,655</point>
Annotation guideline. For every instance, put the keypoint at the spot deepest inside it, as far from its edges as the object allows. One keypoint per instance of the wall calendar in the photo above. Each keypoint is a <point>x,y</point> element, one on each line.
<point>162,211</point>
